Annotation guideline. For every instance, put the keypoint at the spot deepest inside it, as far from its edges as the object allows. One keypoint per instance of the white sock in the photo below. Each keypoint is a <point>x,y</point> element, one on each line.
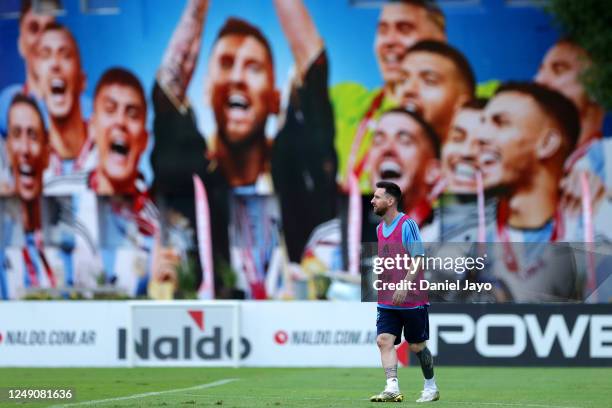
<point>431,383</point>
<point>392,384</point>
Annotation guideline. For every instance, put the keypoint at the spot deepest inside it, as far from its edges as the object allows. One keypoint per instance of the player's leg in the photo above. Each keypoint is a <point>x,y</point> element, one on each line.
<point>388,329</point>
<point>416,332</point>
<point>430,389</point>
<point>388,357</point>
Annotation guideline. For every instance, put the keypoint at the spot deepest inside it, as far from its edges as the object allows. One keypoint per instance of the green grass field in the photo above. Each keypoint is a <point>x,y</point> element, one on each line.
<point>312,388</point>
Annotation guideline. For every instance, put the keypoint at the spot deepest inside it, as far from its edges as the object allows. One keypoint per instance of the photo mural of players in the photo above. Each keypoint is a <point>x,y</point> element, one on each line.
<point>434,80</point>
<point>437,81</point>
<point>400,25</point>
<point>264,198</point>
<point>232,151</point>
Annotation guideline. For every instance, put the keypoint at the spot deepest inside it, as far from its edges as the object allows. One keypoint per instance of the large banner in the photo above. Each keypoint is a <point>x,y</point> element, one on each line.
<point>521,335</point>
<point>165,150</point>
<point>293,334</point>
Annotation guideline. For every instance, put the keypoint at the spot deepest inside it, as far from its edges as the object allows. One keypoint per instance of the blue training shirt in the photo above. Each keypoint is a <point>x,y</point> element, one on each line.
<point>411,237</point>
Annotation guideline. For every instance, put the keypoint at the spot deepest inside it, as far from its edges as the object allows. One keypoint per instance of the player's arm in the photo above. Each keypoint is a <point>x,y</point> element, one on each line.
<point>304,39</point>
<point>413,244</point>
<point>180,57</point>
<point>411,238</point>
<point>165,263</point>
<point>303,157</point>
<point>179,149</point>
<point>309,104</point>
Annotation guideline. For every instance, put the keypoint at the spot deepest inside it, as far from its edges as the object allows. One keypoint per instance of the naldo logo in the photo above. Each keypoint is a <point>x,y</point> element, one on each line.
<point>184,335</point>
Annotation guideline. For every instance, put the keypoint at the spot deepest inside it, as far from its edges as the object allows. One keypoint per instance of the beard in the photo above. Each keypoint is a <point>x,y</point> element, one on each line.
<point>244,144</point>
<point>380,211</point>
<point>256,136</point>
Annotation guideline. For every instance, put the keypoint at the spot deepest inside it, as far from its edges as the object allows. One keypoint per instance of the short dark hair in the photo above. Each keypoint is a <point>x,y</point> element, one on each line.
<point>430,134</point>
<point>434,12</point>
<point>451,53</point>
<point>55,26</point>
<point>392,189</point>
<point>238,26</point>
<point>476,104</point>
<point>120,76</point>
<point>31,102</point>
<point>26,6</point>
<point>554,104</point>
<point>570,41</point>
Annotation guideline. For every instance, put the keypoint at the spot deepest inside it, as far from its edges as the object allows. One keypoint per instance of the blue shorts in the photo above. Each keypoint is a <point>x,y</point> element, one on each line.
<point>414,322</point>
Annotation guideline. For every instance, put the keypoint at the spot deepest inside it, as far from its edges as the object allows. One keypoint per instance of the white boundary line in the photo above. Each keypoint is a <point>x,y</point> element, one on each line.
<point>150,394</point>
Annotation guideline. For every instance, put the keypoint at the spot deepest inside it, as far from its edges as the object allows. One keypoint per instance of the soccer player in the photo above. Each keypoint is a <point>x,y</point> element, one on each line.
<point>75,263</point>
<point>457,217</point>
<point>400,310</point>
<point>405,151</point>
<point>401,24</point>
<point>436,80</point>
<point>28,151</point>
<point>62,81</point>
<point>118,124</point>
<point>532,130</point>
<point>28,148</point>
<point>461,150</point>
<point>261,194</point>
<point>463,155</point>
<point>132,252</point>
<point>560,70</point>
<point>31,25</point>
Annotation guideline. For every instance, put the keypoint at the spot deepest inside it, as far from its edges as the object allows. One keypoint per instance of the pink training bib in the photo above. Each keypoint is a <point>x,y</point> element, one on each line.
<point>391,247</point>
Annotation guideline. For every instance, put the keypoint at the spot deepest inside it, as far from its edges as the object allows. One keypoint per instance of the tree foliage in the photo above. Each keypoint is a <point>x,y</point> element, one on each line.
<point>589,23</point>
